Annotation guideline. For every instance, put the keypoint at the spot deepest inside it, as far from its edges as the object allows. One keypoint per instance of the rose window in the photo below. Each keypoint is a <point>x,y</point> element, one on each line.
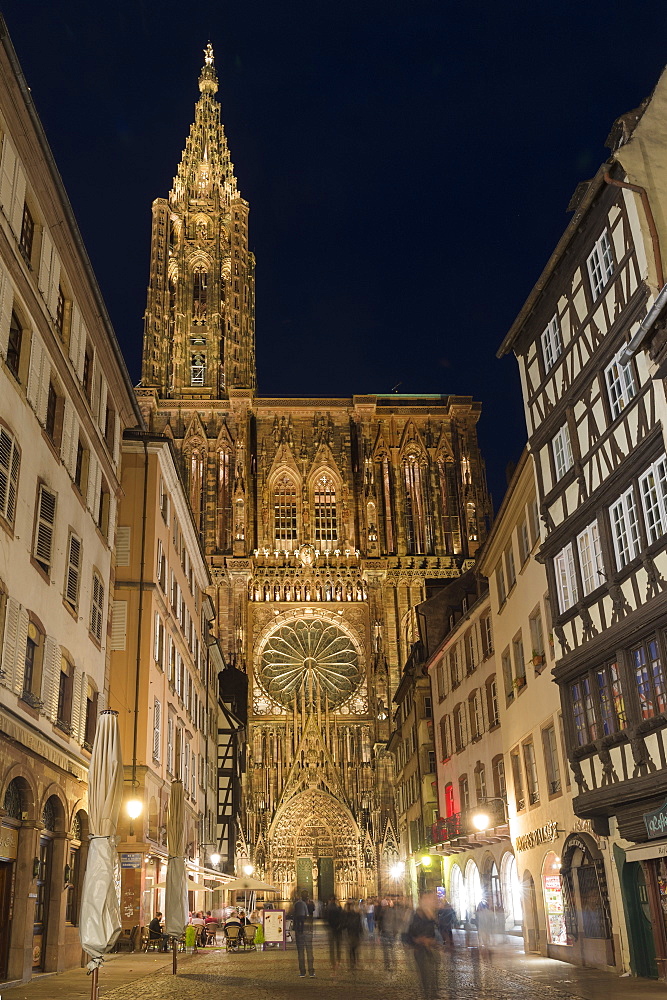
<point>309,660</point>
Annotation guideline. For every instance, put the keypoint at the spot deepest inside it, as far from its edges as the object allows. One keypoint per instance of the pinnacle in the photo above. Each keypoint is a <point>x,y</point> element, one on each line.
<point>208,78</point>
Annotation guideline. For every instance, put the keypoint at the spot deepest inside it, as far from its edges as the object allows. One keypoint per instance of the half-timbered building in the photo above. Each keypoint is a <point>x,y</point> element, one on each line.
<point>595,417</point>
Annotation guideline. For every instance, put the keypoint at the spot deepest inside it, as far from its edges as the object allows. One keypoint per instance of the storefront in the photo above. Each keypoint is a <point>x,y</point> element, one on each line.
<point>644,884</point>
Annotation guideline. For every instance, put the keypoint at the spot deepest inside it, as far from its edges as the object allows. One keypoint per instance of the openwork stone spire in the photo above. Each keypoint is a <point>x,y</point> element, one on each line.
<point>199,336</point>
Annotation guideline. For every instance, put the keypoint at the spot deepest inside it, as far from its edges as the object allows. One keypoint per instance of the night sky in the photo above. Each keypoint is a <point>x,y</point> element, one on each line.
<point>408,167</point>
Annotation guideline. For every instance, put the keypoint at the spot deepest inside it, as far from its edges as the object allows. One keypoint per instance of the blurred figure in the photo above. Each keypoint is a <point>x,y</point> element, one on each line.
<point>353,932</point>
<point>302,925</point>
<point>485,925</point>
<point>446,921</point>
<point>333,914</point>
<point>422,938</point>
<point>370,916</point>
<point>386,914</point>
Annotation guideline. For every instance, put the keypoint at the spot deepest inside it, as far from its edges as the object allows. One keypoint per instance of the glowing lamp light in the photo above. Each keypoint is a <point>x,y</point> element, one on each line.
<point>215,859</point>
<point>134,808</point>
<point>398,869</point>
<point>426,861</point>
<point>481,821</point>
<point>248,869</point>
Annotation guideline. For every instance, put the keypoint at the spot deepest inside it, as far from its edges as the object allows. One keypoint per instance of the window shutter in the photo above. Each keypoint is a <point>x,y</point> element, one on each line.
<point>7,174</point>
<point>43,388</point>
<point>77,706</point>
<point>94,483</point>
<point>73,575</point>
<point>51,677</point>
<point>111,529</point>
<point>18,665</point>
<point>123,545</point>
<point>45,257</point>
<point>102,405</point>
<point>97,608</point>
<point>77,341</point>
<point>119,625</point>
<point>9,475</point>
<point>94,387</point>
<point>46,518</point>
<point>6,302</point>
<point>9,641</point>
<point>157,729</point>
<point>116,448</point>
<point>158,637</point>
<point>35,370</point>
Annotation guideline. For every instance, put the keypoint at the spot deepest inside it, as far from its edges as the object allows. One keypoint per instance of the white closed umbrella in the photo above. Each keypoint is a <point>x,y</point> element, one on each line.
<point>176,896</point>
<point>99,922</point>
<point>248,884</point>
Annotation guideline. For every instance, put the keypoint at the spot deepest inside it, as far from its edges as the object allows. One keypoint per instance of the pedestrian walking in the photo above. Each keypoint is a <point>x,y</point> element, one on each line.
<point>333,914</point>
<point>353,932</point>
<point>446,921</point>
<point>421,936</point>
<point>302,925</point>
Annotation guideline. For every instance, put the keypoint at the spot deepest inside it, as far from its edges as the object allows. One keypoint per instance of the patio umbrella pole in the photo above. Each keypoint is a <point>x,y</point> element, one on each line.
<point>174,944</point>
<point>93,986</point>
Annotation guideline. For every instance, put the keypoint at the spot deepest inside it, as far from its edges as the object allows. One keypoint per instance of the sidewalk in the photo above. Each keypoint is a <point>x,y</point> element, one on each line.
<point>118,970</point>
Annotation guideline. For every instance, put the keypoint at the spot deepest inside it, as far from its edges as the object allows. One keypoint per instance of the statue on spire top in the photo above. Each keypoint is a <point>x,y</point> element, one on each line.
<point>208,54</point>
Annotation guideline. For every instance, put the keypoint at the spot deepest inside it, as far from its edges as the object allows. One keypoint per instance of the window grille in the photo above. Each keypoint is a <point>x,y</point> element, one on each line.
<point>326,516</point>
<point>285,513</point>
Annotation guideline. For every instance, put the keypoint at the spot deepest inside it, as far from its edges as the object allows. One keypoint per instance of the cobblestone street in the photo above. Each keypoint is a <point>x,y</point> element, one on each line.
<point>506,975</point>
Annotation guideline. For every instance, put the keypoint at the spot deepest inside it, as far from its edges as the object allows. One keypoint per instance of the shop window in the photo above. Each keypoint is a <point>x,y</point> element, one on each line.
<point>552,886</point>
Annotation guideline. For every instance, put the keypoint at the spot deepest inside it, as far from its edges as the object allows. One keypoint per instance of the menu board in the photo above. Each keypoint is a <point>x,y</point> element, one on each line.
<point>553,898</point>
<point>274,927</point>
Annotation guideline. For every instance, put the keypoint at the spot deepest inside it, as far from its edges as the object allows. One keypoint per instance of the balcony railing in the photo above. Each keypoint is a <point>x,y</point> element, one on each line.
<point>460,827</point>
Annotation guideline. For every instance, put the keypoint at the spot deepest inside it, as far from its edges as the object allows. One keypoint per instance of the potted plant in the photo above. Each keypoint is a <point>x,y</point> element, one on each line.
<point>538,658</point>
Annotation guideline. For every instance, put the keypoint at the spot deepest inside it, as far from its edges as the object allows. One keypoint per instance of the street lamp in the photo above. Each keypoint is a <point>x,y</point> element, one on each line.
<point>134,808</point>
<point>248,870</point>
<point>397,870</point>
<point>215,858</point>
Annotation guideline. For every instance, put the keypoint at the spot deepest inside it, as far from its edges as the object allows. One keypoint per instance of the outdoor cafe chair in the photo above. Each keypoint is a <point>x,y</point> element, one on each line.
<point>233,937</point>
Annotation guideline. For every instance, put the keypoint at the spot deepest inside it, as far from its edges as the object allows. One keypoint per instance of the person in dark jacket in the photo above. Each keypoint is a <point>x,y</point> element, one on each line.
<point>446,921</point>
<point>353,932</point>
<point>333,914</point>
<point>422,938</point>
<point>302,925</point>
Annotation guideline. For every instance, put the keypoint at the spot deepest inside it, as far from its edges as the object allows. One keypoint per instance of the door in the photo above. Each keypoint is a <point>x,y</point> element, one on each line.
<point>41,905</point>
<point>325,878</point>
<point>6,900</point>
<point>304,875</point>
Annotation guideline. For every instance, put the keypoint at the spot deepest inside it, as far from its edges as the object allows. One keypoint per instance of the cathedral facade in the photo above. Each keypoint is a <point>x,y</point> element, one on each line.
<point>325,522</point>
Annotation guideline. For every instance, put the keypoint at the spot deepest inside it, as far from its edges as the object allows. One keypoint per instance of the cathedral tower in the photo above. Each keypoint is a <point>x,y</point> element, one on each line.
<point>199,335</point>
<point>325,521</point>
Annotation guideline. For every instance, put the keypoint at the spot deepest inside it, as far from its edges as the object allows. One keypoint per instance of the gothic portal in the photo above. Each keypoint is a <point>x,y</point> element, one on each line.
<point>325,521</point>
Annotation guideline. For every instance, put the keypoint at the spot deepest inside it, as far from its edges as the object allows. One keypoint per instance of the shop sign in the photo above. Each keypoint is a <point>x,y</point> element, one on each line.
<point>9,842</point>
<point>130,860</point>
<point>543,835</point>
<point>656,822</point>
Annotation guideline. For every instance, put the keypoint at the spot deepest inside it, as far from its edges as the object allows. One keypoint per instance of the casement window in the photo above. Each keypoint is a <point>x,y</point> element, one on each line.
<point>621,386</point>
<point>653,491</point>
<point>498,773</point>
<point>10,462</point>
<point>502,589</point>
<point>459,727</point>
<point>517,778</point>
<point>610,699</point>
<point>65,691</point>
<point>110,427</point>
<point>487,635</point>
<point>519,661</point>
<point>164,502</point>
<point>552,765</point>
<point>92,698</point>
<point>193,775</point>
<point>27,233</point>
<point>170,745</point>
<point>476,717</point>
<point>536,637</point>
<point>285,513</point>
<point>15,347</point>
<point>73,571</point>
<point>590,558</point>
<point>649,678</point>
<point>583,713</point>
<point>171,662</point>
<point>445,737</point>
<point>97,607</point>
<point>326,519</point>
<point>186,773</point>
<point>464,793</point>
<point>157,729</point>
<point>492,702</point>
<point>470,650</point>
<point>440,681</point>
<point>480,784</point>
<point>60,311</point>
<point>506,662</point>
<point>600,265</point>
<point>566,578</point>
<point>534,520</point>
<point>45,527</point>
<point>104,508</point>
<point>455,665</point>
<point>81,467</point>
<point>562,452</point>
<point>625,528</point>
<point>158,651</point>
<point>531,772</point>
<point>161,566</point>
<point>511,568</point>
<point>87,378</point>
<point>524,541</point>
<point>552,344</point>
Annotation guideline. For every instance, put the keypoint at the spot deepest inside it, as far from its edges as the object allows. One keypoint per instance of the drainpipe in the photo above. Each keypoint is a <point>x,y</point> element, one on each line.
<point>657,256</point>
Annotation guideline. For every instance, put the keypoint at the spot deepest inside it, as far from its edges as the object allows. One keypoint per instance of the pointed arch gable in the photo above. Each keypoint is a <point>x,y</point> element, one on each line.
<point>290,819</point>
<point>411,440</point>
<point>195,433</point>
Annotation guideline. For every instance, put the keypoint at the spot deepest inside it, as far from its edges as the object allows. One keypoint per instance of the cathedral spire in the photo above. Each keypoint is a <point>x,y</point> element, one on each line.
<point>199,337</point>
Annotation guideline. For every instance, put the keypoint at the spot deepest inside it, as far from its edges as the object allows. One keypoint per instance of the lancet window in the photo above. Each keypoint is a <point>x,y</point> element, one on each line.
<point>285,513</point>
<point>223,502</point>
<point>197,369</point>
<point>198,487</point>
<point>385,497</point>
<point>199,290</point>
<point>326,517</point>
<point>418,529</point>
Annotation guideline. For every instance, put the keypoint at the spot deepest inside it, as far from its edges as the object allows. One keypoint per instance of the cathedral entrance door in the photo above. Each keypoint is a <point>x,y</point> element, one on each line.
<point>325,878</point>
<point>304,875</point>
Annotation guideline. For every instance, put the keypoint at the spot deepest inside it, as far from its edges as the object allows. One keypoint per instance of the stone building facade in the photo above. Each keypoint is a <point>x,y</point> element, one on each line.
<point>324,521</point>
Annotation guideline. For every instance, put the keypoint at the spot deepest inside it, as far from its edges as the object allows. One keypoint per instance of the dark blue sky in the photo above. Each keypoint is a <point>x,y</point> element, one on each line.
<point>408,167</point>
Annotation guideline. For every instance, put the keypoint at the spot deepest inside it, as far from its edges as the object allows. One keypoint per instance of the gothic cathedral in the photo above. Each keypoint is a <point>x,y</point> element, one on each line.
<point>324,521</point>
